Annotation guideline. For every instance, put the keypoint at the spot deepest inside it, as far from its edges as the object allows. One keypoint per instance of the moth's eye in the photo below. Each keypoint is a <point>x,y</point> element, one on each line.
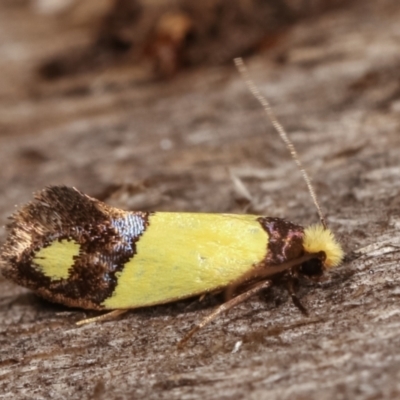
<point>312,267</point>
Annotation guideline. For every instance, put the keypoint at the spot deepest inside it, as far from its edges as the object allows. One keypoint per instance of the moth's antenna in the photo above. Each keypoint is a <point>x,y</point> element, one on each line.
<point>241,67</point>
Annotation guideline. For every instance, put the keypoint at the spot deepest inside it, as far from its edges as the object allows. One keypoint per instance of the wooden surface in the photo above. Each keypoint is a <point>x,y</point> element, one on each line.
<point>334,82</point>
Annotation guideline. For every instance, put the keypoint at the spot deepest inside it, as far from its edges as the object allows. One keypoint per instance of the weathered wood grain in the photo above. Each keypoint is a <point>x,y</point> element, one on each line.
<point>334,82</point>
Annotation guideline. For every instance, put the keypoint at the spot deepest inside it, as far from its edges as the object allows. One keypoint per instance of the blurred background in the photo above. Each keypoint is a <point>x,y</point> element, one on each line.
<point>137,102</point>
<point>96,94</point>
<point>99,94</point>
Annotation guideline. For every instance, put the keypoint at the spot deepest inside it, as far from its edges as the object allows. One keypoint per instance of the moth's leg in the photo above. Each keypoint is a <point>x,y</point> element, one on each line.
<point>292,292</point>
<point>225,307</point>
<point>100,318</point>
<point>263,272</point>
<point>201,298</point>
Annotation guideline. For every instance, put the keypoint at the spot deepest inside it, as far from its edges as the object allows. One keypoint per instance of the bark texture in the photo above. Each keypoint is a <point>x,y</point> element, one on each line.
<point>334,82</point>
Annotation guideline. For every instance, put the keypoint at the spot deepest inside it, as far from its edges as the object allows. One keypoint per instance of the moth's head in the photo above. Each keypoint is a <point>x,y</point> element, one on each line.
<point>320,241</point>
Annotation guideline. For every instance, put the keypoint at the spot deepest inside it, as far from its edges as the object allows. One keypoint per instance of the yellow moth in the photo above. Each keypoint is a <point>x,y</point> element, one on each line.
<point>75,250</point>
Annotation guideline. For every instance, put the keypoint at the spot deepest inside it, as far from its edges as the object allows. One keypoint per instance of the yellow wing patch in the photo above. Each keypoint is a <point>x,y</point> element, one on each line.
<point>56,259</point>
<point>181,255</point>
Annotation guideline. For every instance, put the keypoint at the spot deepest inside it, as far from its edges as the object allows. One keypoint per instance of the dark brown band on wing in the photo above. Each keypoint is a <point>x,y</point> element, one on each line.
<point>107,238</point>
<point>285,240</point>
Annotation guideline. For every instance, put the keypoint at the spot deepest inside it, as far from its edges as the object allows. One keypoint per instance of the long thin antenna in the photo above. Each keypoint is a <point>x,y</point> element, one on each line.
<point>241,67</point>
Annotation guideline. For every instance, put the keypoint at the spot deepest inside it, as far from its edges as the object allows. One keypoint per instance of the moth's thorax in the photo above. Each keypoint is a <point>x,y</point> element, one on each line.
<point>288,241</point>
<point>285,240</point>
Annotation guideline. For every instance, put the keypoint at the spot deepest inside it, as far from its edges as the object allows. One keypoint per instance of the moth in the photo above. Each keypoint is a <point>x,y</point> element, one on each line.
<point>72,249</point>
